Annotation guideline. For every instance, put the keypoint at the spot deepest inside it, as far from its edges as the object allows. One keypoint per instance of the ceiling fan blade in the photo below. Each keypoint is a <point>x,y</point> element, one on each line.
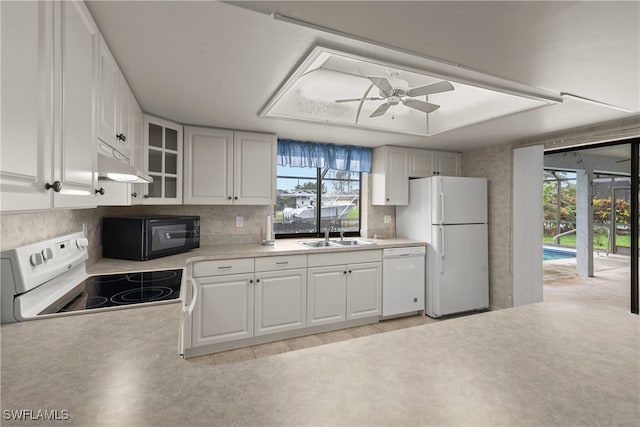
<point>442,86</point>
<point>425,107</point>
<point>382,83</point>
<point>380,110</point>
<point>358,99</point>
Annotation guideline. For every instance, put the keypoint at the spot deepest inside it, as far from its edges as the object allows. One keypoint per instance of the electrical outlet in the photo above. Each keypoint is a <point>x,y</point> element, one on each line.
<point>239,221</point>
<point>387,219</point>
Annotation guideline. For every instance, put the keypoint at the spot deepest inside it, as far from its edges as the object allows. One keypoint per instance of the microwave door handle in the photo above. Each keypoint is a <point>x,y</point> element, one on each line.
<point>194,296</point>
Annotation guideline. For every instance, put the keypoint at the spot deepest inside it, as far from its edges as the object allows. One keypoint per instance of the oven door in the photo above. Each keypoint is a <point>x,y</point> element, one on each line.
<point>166,237</point>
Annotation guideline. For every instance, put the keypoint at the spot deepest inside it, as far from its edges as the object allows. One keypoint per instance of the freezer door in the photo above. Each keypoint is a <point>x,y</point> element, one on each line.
<point>458,200</point>
<point>458,274</point>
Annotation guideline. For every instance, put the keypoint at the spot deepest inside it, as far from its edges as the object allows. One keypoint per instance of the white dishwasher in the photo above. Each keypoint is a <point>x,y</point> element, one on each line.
<point>403,285</point>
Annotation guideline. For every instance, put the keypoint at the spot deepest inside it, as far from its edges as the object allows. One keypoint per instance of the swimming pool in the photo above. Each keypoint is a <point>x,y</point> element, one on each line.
<point>557,253</point>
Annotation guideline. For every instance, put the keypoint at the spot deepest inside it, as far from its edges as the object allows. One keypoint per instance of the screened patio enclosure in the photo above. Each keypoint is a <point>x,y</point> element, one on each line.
<point>587,202</point>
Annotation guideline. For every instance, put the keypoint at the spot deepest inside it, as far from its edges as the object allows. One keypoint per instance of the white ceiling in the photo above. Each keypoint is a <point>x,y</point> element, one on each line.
<point>216,64</point>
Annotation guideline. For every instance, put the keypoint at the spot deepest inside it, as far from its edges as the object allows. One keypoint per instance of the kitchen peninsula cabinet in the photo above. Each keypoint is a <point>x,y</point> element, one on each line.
<point>224,301</point>
<point>163,161</point>
<point>225,167</point>
<point>280,294</point>
<point>48,124</point>
<point>340,292</point>
<point>232,303</point>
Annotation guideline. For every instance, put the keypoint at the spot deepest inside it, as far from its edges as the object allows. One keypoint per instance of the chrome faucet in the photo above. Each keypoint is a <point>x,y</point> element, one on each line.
<point>341,234</point>
<point>327,231</point>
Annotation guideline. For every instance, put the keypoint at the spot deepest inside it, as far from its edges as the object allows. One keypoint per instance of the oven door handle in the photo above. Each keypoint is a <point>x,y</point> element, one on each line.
<point>194,296</point>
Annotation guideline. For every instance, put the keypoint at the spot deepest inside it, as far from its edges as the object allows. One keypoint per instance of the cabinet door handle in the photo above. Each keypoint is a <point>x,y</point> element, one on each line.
<point>229,198</point>
<point>134,194</point>
<point>100,191</point>
<point>250,280</point>
<point>194,296</point>
<point>235,198</point>
<point>224,267</point>
<point>146,196</point>
<point>282,262</point>
<point>349,271</point>
<point>56,186</point>
<point>121,137</point>
<point>344,272</point>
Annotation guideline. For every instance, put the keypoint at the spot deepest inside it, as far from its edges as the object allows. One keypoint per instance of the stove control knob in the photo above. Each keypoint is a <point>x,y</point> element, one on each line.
<point>82,242</point>
<point>36,259</point>
<point>47,254</point>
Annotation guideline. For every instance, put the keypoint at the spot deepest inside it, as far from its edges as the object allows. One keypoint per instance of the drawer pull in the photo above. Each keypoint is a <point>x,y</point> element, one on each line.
<point>282,262</point>
<point>224,267</point>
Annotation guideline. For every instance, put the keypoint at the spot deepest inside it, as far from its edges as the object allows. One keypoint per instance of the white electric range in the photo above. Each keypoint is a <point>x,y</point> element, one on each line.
<point>49,278</point>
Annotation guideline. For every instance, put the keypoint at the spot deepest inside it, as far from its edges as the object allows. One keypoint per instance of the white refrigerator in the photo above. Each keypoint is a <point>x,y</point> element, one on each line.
<point>450,214</point>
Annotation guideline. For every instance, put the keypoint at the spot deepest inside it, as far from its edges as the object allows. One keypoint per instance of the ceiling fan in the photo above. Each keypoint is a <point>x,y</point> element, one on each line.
<point>394,91</point>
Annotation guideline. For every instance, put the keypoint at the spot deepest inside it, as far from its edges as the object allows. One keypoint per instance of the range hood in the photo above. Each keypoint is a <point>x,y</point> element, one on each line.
<point>110,169</point>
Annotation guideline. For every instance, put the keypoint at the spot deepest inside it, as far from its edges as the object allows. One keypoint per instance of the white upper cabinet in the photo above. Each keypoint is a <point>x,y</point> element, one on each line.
<point>75,156</point>
<point>420,163</point>
<point>224,167</point>
<point>114,103</point>
<point>254,174</point>
<point>27,115</point>
<point>163,161</point>
<point>127,194</point>
<point>393,166</point>
<point>446,163</point>
<point>425,163</point>
<point>49,81</point>
<point>208,166</point>
<point>390,176</point>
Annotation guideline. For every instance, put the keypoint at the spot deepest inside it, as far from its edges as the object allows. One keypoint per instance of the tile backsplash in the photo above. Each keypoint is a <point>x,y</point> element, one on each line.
<point>217,223</point>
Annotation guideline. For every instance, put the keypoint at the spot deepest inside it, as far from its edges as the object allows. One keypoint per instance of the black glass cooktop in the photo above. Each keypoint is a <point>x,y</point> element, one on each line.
<point>116,290</point>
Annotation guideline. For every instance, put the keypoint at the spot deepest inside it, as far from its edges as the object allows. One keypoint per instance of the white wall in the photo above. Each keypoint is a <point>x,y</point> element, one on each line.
<point>528,165</point>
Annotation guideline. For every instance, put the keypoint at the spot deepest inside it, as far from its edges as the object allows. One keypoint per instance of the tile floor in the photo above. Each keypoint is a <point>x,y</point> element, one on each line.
<point>277,347</point>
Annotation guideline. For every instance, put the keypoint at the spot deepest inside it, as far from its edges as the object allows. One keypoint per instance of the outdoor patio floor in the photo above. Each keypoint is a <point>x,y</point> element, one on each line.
<point>610,285</point>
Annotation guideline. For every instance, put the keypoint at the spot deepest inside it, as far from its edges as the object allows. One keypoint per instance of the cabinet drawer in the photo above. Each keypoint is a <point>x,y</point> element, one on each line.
<point>341,258</point>
<point>275,263</point>
<point>222,267</point>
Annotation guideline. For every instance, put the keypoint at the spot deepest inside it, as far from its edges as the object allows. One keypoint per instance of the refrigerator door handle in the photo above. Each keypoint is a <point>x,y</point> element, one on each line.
<point>441,208</point>
<point>441,249</point>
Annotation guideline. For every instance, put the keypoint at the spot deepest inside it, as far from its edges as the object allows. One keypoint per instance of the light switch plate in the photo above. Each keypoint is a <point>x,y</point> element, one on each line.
<point>239,221</point>
<point>387,219</point>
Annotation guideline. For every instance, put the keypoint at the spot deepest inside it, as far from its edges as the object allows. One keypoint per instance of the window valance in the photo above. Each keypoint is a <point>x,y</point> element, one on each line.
<point>309,154</point>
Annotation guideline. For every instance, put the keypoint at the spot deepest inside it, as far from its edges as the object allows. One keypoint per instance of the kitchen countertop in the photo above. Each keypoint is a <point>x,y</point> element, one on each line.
<point>281,247</point>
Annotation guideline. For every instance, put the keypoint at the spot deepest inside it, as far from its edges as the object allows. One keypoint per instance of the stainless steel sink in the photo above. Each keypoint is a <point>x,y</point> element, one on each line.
<point>317,244</point>
<point>350,242</point>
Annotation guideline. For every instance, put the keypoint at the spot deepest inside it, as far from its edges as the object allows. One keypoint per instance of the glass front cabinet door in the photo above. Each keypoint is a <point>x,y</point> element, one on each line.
<point>163,148</point>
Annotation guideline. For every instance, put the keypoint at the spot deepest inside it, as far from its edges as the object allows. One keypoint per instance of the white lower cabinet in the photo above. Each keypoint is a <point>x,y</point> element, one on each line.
<point>224,309</point>
<point>241,301</point>
<point>364,286</point>
<point>280,301</point>
<point>344,292</point>
<point>327,295</point>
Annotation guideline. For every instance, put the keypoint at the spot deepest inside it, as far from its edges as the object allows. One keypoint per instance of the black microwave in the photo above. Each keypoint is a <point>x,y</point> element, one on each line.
<point>146,237</point>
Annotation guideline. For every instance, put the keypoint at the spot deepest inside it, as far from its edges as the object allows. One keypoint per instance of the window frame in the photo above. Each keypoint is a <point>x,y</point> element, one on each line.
<point>319,233</point>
